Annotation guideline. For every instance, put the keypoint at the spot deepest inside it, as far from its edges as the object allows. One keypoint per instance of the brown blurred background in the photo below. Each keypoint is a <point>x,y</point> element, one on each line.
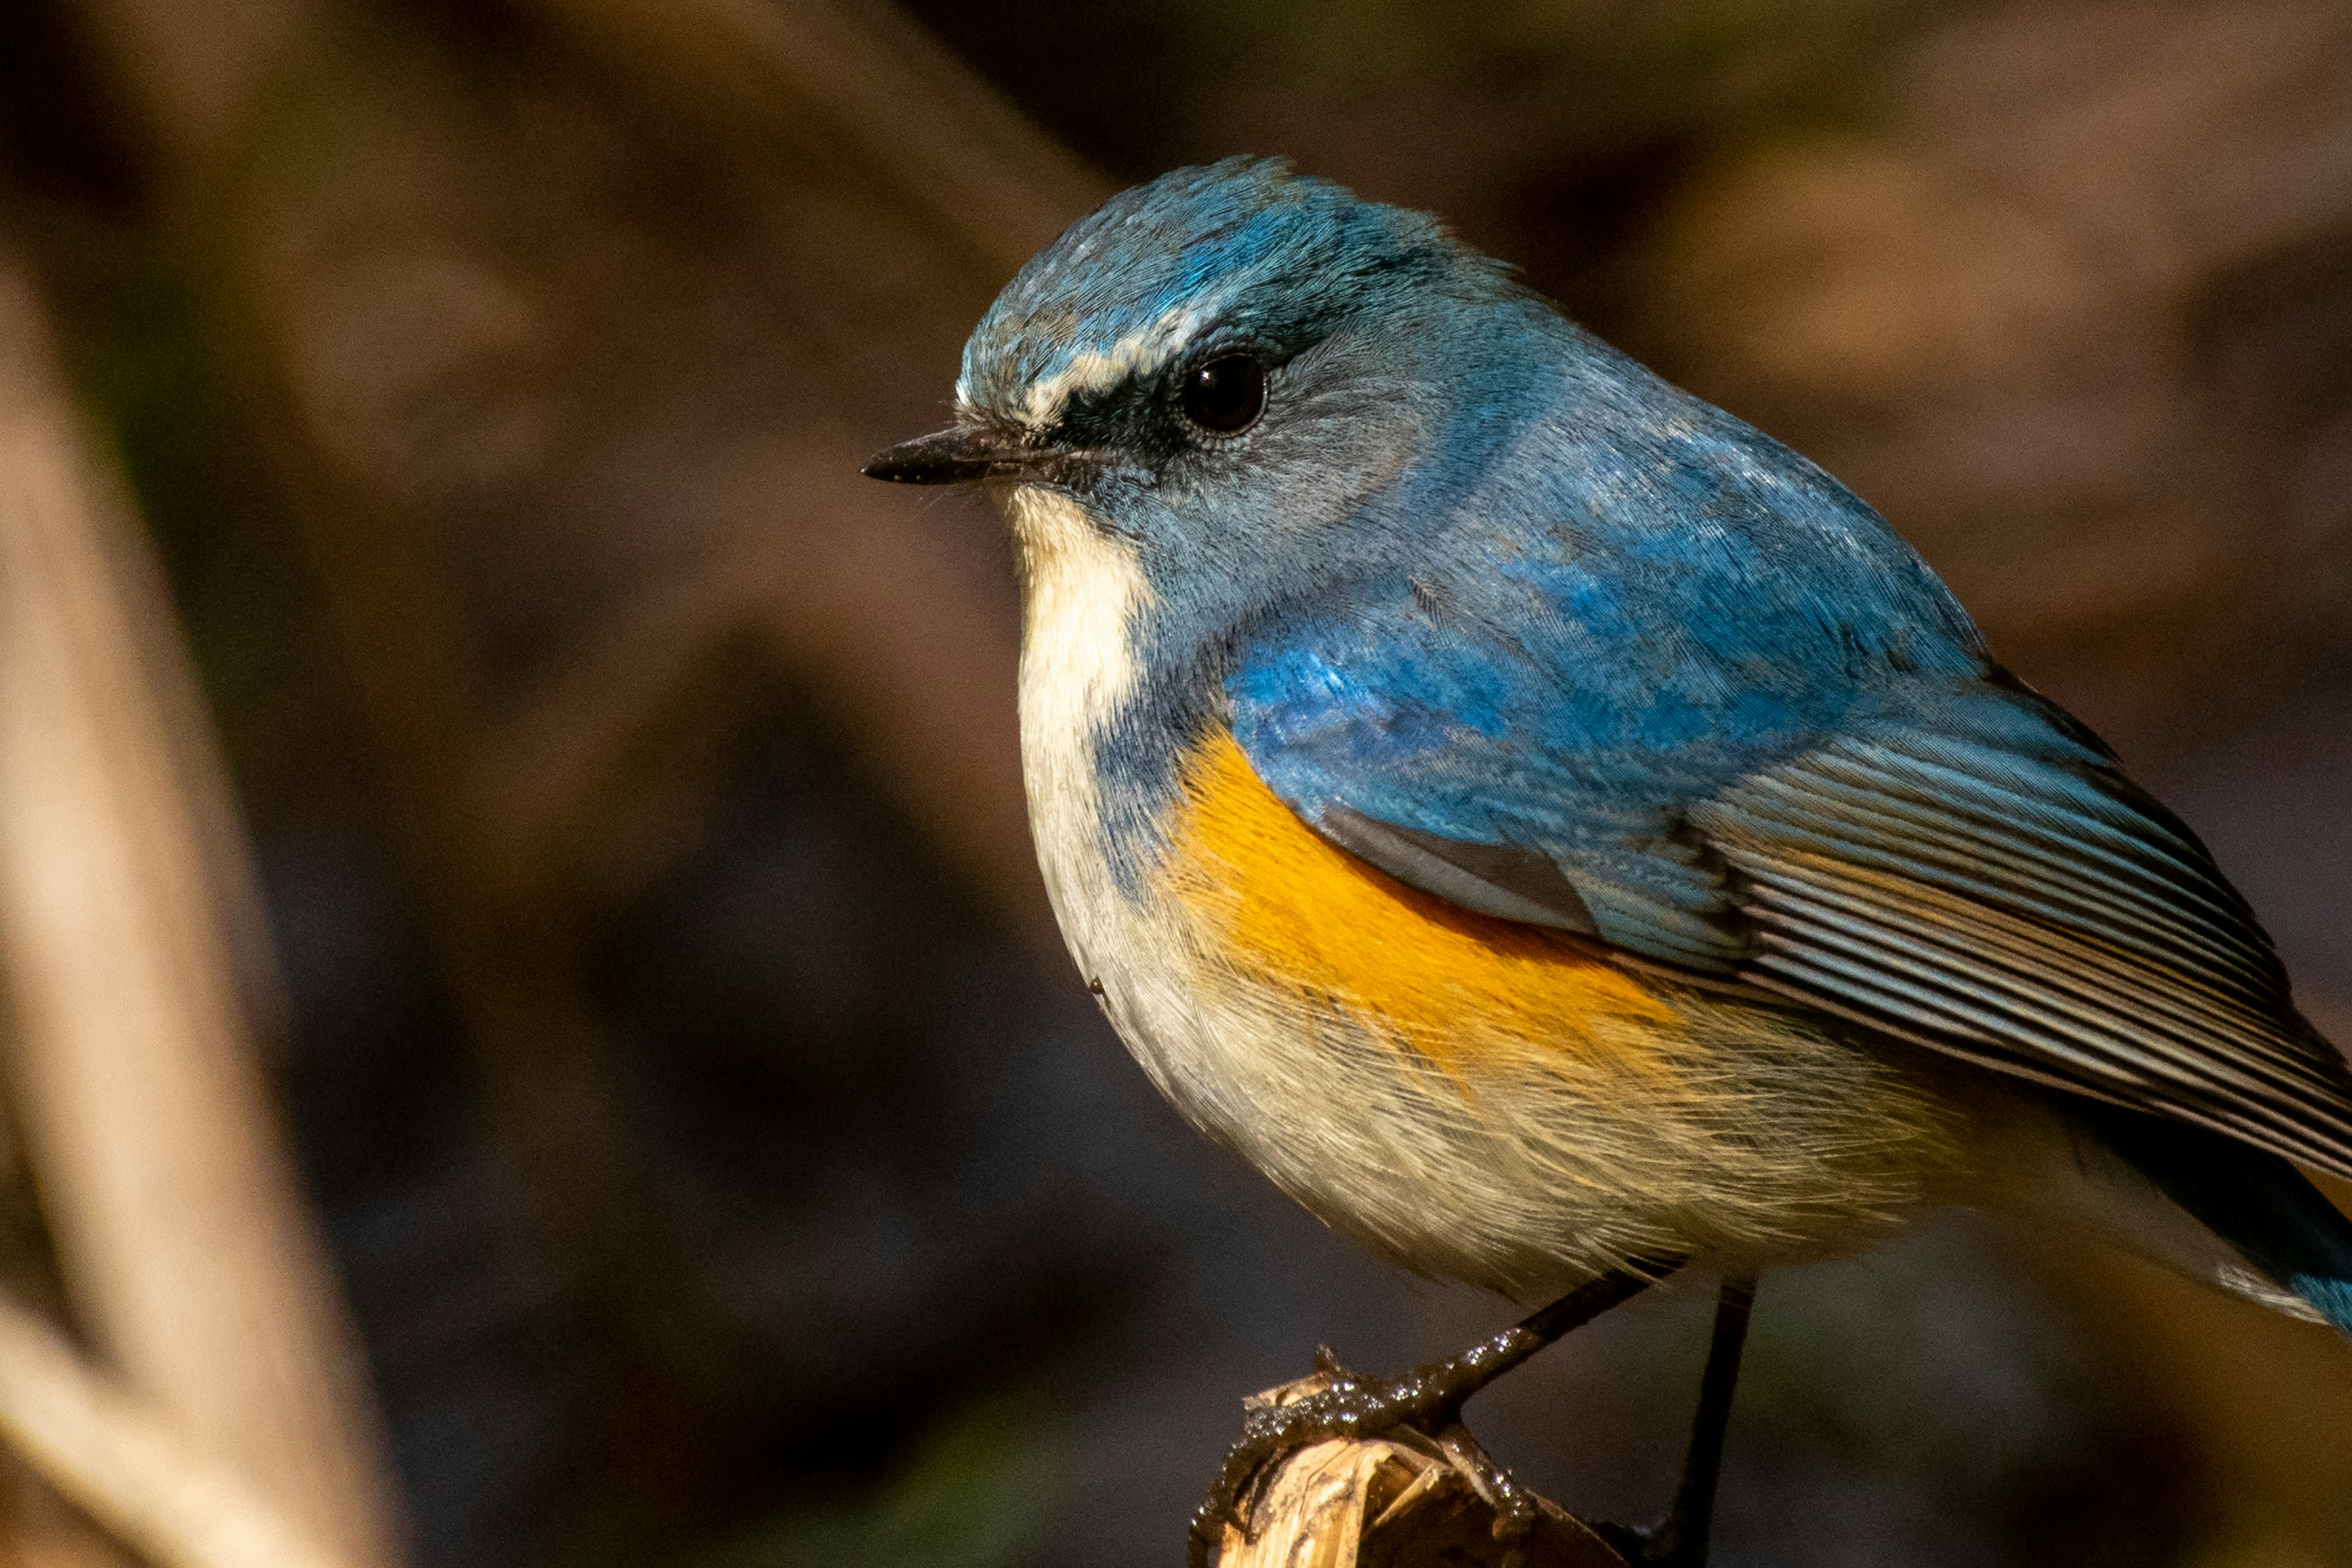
<point>449,664</point>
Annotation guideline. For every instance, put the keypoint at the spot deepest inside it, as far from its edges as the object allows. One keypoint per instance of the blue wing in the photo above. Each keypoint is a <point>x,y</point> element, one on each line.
<point>1808,782</point>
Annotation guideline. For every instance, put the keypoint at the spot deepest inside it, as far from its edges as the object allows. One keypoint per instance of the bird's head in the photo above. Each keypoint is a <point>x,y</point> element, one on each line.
<point>1220,366</point>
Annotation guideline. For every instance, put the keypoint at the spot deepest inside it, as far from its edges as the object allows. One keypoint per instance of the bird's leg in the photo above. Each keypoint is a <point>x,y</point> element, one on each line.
<point>1680,1540</point>
<point>1427,1400</point>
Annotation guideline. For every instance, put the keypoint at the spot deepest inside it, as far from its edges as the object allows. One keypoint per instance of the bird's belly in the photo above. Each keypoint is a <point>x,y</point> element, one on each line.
<point>1480,1100</point>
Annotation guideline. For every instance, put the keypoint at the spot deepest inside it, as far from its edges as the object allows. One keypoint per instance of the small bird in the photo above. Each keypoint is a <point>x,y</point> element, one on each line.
<point>1561,836</point>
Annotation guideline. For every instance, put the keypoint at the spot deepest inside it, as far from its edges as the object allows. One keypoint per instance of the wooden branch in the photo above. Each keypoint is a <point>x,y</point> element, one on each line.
<point>178,1219</point>
<point>1393,1502</point>
<point>114,1456</point>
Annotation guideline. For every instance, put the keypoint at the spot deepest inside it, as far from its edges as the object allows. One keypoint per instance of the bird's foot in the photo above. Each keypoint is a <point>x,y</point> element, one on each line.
<point>1422,1408</point>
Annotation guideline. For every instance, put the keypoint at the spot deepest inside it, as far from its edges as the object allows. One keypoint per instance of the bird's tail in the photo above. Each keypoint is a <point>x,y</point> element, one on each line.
<point>2263,1208</point>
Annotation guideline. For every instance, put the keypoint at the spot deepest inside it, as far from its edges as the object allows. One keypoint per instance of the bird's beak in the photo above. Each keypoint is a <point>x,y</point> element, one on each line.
<point>956,457</point>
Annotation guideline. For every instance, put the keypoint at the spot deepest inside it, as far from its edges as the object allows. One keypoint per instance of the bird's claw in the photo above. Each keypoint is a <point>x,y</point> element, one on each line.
<point>1515,1507</point>
<point>1328,1364</point>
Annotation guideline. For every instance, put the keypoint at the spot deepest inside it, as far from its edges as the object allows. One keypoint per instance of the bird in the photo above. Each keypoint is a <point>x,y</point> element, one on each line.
<point>1562,836</point>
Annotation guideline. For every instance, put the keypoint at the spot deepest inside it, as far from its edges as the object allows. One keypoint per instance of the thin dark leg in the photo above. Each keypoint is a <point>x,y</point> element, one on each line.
<point>1680,1540</point>
<point>1428,1399</point>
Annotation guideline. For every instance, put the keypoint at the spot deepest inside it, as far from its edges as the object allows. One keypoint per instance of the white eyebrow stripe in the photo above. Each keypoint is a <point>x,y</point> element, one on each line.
<point>1138,352</point>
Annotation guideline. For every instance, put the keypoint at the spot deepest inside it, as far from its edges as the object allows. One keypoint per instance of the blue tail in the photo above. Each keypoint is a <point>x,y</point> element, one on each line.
<point>2263,1207</point>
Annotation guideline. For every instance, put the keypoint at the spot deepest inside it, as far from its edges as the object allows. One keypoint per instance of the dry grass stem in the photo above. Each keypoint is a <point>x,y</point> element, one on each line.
<point>178,1219</point>
<point>117,1459</point>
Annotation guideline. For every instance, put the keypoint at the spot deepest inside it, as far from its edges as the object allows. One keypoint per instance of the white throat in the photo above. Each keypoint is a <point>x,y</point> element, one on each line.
<point>1081,589</point>
<point>1081,592</point>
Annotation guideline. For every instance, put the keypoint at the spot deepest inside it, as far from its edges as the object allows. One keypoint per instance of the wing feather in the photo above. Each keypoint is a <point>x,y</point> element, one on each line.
<point>2071,932</point>
<point>2134,883</point>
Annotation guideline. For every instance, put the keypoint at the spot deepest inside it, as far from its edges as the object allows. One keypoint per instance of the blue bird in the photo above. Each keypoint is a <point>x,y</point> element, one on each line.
<point>1561,836</point>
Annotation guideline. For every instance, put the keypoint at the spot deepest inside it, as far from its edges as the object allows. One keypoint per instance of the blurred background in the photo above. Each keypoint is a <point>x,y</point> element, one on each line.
<point>533,1035</point>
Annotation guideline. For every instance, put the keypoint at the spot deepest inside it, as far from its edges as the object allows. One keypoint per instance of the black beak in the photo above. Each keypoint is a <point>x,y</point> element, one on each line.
<point>955,457</point>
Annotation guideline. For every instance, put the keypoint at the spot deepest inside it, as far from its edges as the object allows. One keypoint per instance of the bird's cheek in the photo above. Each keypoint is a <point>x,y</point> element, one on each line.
<point>1338,482</point>
<point>1332,460</point>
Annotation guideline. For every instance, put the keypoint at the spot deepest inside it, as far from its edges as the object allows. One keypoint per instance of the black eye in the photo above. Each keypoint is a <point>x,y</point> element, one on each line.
<point>1225,396</point>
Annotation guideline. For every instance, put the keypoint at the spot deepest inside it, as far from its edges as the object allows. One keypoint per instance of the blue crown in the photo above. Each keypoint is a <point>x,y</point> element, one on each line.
<point>1161,265</point>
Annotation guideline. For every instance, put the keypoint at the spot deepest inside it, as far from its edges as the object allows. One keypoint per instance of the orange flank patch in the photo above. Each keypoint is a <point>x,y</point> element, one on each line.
<point>1288,910</point>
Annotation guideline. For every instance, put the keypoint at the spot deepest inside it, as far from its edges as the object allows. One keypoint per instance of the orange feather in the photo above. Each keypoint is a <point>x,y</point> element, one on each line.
<point>1281,906</point>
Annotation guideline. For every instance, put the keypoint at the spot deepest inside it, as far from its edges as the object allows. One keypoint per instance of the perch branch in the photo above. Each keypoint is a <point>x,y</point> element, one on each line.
<point>1393,1502</point>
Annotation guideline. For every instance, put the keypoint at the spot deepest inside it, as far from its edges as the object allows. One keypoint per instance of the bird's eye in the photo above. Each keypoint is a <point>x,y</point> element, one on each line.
<point>1225,396</point>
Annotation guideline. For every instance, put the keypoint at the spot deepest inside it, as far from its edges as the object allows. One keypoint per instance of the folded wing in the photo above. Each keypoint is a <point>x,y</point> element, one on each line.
<point>2052,922</point>
<point>1954,862</point>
